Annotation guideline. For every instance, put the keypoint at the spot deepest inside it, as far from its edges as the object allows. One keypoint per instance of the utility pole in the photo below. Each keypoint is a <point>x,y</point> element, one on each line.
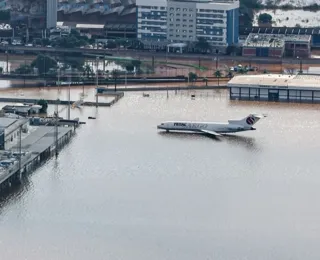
<point>56,130</point>
<point>20,151</point>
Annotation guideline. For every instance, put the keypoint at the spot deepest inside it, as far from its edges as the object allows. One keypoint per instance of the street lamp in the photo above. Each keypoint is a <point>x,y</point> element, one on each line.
<point>300,61</point>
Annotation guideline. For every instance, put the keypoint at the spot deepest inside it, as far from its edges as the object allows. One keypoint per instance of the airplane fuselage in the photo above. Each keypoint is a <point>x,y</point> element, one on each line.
<point>200,126</point>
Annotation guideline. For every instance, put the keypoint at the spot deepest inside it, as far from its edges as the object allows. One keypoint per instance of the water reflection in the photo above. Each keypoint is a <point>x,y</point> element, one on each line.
<point>244,141</point>
<point>13,194</point>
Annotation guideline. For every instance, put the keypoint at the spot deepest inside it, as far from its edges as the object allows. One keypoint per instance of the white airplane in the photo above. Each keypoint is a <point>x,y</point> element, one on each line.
<point>213,128</point>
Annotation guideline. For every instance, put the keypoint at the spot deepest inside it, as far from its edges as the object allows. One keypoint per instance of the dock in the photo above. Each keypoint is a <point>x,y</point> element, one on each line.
<point>37,147</point>
<point>116,98</point>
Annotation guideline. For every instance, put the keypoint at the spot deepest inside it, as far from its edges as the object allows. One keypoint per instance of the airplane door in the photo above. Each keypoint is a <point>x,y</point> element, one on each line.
<point>273,95</point>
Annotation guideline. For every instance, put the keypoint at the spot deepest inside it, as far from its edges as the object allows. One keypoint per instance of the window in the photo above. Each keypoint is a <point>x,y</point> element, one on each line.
<point>190,10</point>
<point>185,9</point>
<point>177,9</point>
<point>184,20</point>
<point>191,21</point>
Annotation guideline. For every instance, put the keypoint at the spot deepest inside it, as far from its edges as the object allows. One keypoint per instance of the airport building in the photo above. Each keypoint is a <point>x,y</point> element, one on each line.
<point>276,87</point>
<point>277,45</point>
<point>161,22</point>
<point>37,14</point>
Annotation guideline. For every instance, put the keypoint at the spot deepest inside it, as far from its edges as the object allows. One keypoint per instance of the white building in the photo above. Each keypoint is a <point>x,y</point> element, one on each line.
<point>160,22</point>
<point>276,87</point>
<point>10,131</point>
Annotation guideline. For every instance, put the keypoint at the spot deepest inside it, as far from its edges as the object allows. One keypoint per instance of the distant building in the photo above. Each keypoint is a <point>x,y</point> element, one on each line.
<point>277,45</point>
<point>38,14</point>
<point>22,109</point>
<point>9,131</point>
<point>314,32</point>
<point>161,22</point>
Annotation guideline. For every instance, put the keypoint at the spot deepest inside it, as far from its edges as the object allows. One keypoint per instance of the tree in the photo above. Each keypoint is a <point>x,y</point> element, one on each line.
<point>192,77</point>
<point>136,64</point>
<point>44,105</point>
<point>87,70</point>
<point>115,75</point>
<point>1,70</point>
<point>44,63</point>
<point>218,75</point>
<point>206,81</point>
<point>265,18</point>
<point>203,45</point>
<point>129,68</point>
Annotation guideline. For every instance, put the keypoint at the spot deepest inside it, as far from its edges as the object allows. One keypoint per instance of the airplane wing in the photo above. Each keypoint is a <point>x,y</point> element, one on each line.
<point>209,132</point>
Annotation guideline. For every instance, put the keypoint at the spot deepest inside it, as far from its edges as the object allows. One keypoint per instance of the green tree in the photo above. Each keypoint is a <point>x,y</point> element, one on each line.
<point>265,18</point>
<point>206,81</point>
<point>44,63</point>
<point>137,65</point>
<point>44,105</point>
<point>192,77</point>
<point>87,70</point>
<point>129,68</point>
<point>218,75</point>
<point>202,45</point>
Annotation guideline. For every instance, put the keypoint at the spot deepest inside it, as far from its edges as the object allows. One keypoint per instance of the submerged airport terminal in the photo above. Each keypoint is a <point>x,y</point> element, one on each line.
<point>276,87</point>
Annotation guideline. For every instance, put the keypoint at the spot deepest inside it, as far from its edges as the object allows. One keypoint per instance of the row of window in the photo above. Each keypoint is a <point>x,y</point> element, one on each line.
<point>179,20</point>
<point>183,36</point>
<point>178,14</point>
<point>152,28</point>
<point>153,23</point>
<point>178,30</point>
<point>179,9</point>
<point>182,9</point>
<point>210,11</point>
<point>211,15</point>
<point>153,7</point>
<point>178,25</point>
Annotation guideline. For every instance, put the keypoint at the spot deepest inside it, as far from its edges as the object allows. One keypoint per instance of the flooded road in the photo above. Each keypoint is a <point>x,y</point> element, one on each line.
<point>122,190</point>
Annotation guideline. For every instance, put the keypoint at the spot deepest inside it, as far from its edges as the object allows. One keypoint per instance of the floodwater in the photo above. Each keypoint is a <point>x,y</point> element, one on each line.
<point>122,190</point>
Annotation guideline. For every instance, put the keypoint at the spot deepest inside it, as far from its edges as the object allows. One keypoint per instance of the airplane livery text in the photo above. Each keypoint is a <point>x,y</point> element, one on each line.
<point>191,125</point>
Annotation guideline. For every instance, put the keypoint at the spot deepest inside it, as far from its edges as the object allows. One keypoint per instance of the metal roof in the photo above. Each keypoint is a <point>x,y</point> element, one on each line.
<point>309,81</point>
<point>274,40</point>
<point>243,30</point>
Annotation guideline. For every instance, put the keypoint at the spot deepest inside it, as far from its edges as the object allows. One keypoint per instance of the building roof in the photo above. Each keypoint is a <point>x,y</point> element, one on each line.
<point>279,30</point>
<point>310,81</point>
<point>264,40</point>
<point>274,40</point>
<point>90,26</point>
<point>6,122</point>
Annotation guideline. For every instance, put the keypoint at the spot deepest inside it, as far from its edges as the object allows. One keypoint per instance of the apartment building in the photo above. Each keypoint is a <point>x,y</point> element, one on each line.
<point>161,22</point>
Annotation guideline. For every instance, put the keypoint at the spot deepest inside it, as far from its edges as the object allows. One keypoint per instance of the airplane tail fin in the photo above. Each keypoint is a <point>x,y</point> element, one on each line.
<point>249,120</point>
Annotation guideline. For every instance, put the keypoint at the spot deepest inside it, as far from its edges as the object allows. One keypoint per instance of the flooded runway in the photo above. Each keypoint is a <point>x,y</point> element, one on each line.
<point>123,190</point>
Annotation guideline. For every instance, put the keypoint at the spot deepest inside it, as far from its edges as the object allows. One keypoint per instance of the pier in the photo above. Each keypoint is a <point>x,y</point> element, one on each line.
<point>41,144</point>
<point>117,96</point>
